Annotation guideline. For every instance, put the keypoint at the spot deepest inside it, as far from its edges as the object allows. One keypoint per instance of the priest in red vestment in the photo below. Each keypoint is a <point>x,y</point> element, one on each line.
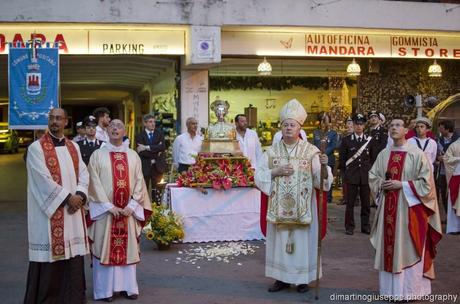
<point>119,206</point>
<point>407,227</point>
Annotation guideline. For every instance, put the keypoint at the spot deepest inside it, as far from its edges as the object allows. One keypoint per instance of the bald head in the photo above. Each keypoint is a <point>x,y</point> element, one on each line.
<point>116,131</point>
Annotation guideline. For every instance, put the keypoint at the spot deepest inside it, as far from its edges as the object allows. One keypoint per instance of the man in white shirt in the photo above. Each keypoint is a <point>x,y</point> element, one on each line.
<point>186,146</point>
<point>422,141</point>
<point>102,115</point>
<point>248,140</point>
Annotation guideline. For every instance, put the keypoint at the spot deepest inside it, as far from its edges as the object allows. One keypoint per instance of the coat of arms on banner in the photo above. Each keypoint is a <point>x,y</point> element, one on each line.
<point>33,77</point>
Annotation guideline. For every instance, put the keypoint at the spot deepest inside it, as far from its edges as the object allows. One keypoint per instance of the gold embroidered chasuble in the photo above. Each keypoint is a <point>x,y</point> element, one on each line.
<point>290,197</point>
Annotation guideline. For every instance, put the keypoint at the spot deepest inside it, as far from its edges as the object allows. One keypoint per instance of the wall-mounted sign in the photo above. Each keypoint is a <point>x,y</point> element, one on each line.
<point>342,44</point>
<point>100,41</point>
<point>205,48</point>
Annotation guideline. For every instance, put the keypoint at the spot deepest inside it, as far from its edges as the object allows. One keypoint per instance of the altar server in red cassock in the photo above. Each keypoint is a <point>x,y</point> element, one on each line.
<point>119,206</point>
<point>406,228</point>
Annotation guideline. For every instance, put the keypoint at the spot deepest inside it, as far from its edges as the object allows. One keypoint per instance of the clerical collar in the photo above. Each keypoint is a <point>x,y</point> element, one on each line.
<point>400,148</point>
<point>112,148</point>
<point>57,141</point>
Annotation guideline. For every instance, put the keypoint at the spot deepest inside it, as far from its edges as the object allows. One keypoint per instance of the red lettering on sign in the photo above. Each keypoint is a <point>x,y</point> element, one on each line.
<point>402,51</point>
<point>61,42</point>
<point>443,53</point>
<point>18,39</point>
<point>456,53</point>
<point>2,43</point>
<point>429,52</point>
<point>415,51</point>
<point>40,37</point>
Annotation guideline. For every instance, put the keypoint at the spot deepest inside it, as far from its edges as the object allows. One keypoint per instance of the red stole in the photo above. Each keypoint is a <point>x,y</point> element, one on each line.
<point>52,163</point>
<point>454,187</point>
<point>395,167</point>
<point>121,195</point>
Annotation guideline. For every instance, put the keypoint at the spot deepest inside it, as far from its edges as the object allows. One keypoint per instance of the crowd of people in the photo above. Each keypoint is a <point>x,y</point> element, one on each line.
<point>90,196</point>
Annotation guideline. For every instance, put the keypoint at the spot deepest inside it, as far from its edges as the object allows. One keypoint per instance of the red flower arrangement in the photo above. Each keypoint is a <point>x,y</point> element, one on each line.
<point>218,172</point>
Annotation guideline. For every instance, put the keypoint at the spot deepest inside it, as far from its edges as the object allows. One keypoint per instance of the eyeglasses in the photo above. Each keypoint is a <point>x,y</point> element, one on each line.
<point>117,125</point>
<point>56,117</point>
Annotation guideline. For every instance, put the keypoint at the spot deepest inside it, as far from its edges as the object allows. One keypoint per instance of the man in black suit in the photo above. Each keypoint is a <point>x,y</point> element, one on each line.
<point>356,151</point>
<point>90,143</point>
<point>151,148</point>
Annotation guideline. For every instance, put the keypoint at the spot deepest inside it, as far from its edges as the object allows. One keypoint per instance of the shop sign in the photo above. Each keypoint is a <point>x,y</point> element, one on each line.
<point>99,42</point>
<point>322,44</point>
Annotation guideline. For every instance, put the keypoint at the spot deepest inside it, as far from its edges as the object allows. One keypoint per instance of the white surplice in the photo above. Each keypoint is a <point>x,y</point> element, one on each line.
<point>300,266</point>
<point>109,279</point>
<point>44,196</point>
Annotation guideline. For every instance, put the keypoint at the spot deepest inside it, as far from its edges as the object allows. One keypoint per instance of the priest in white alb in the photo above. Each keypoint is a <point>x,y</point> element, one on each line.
<point>118,205</point>
<point>289,173</point>
<point>452,164</point>
<point>406,227</point>
<point>57,184</point>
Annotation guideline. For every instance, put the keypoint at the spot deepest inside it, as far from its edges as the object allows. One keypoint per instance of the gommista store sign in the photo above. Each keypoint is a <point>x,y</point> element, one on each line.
<point>378,44</point>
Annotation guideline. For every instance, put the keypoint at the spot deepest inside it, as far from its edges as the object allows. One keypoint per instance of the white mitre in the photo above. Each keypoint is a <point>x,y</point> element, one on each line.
<point>293,109</point>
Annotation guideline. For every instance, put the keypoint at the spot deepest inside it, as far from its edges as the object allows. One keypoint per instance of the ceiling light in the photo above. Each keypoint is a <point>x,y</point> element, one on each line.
<point>353,69</point>
<point>435,70</point>
<point>264,68</point>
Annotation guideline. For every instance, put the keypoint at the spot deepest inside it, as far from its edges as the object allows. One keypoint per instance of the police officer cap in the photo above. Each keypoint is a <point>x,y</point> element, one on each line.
<point>359,118</point>
<point>90,121</point>
<point>373,113</point>
<point>79,125</point>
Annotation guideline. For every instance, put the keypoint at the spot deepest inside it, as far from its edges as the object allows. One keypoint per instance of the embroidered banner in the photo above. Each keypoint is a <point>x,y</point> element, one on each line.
<point>33,86</point>
<point>119,229</point>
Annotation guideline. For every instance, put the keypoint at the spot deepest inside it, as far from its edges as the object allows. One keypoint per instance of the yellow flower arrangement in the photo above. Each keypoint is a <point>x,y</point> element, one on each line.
<point>164,226</point>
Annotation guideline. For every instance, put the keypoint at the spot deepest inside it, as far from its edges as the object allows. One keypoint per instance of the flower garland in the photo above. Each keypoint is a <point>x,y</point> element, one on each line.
<point>218,172</point>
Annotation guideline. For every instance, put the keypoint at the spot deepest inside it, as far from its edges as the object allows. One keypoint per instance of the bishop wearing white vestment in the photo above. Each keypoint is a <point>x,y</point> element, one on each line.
<point>406,227</point>
<point>289,173</point>
<point>119,205</point>
<point>452,164</point>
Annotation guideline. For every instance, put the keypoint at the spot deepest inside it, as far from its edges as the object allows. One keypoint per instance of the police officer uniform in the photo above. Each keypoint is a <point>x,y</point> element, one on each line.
<point>379,136</point>
<point>355,162</point>
<point>87,146</point>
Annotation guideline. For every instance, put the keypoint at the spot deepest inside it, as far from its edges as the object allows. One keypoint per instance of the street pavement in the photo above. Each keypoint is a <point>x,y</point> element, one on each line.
<point>347,262</point>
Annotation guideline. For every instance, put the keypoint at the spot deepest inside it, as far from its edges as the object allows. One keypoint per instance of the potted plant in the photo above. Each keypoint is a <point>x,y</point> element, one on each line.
<point>163,227</point>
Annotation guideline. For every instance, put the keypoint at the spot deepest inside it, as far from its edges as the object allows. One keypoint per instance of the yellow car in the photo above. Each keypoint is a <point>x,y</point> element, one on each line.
<point>9,141</point>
